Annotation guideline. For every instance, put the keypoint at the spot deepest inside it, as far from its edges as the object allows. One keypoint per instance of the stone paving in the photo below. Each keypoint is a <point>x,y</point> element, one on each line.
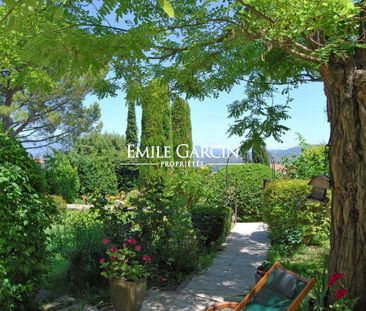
<point>230,275</point>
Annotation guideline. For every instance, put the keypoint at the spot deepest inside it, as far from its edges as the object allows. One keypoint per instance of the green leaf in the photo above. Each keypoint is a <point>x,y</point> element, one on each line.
<point>167,7</point>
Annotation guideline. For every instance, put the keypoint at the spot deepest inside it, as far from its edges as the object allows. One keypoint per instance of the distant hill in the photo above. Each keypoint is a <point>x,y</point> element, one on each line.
<point>280,153</point>
<point>277,154</point>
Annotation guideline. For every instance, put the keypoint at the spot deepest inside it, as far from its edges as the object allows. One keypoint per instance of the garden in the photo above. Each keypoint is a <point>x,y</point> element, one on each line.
<point>82,216</point>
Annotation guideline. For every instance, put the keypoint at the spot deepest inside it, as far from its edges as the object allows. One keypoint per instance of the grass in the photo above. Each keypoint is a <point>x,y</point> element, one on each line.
<point>309,261</point>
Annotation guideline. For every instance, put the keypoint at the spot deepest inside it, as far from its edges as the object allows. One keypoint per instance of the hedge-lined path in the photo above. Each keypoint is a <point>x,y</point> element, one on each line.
<point>230,275</point>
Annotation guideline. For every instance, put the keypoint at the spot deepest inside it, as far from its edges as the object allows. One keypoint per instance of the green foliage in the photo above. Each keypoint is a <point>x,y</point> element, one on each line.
<point>24,215</point>
<point>167,7</point>
<point>78,239</point>
<point>125,262</point>
<point>241,187</point>
<point>96,157</point>
<point>212,225</point>
<point>312,161</point>
<point>42,101</point>
<point>127,175</point>
<point>131,130</point>
<point>293,219</point>
<point>261,120</point>
<point>120,218</point>
<point>167,232</point>
<point>62,178</point>
<point>59,201</point>
<point>181,129</point>
<point>156,129</point>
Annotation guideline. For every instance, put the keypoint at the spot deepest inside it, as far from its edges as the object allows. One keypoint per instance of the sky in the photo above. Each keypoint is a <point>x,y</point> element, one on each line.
<point>210,120</point>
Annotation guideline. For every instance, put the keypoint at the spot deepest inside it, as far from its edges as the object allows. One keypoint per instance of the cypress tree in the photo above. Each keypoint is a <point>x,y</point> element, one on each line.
<point>131,130</point>
<point>156,130</point>
<point>181,128</point>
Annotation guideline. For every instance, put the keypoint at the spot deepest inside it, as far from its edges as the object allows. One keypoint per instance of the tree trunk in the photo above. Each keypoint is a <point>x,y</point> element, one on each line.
<point>345,89</point>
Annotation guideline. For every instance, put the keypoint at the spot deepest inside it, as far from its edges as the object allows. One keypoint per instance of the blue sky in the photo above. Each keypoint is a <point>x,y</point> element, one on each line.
<point>210,122</point>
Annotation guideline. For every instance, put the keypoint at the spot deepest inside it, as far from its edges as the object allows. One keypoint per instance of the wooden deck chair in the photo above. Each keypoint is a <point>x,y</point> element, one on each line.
<point>278,290</point>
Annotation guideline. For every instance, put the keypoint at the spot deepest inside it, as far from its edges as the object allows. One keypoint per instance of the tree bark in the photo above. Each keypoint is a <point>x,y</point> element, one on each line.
<point>345,89</point>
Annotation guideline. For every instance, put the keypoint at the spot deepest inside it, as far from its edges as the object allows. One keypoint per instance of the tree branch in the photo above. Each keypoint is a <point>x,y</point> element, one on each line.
<point>257,12</point>
<point>58,136</point>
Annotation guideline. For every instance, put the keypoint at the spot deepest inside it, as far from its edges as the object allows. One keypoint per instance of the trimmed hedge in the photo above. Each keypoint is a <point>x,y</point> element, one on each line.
<point>244,188</point>
<point>211,224</point>
<point>293,219</point>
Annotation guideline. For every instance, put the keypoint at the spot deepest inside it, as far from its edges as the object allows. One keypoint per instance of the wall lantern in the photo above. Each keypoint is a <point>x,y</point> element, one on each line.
<point>319,184</point>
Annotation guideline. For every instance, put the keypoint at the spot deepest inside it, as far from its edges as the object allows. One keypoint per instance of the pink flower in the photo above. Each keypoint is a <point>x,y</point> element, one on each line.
<point>131,241</point>
<point>146,259</point>
<point>340,293</point>
<point>125,245</point>
<point>333,278</point>
<point>113,258</point>
<point>102,260</point>
<point>137,248</point>
<point>105,241</point>
<point>113,249</point>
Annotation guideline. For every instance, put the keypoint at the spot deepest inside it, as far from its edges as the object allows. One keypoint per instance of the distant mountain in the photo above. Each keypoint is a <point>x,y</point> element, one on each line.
<point>280,153</point>
<point>220,156</point>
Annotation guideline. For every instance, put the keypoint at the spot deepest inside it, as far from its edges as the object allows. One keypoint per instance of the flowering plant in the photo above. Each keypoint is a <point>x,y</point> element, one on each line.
<point>344,301</point>
<point>127,262</point>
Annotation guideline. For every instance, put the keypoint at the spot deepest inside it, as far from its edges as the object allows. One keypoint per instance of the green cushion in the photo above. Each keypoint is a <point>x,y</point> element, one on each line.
<point>284,283</point>
<point>268,299</point>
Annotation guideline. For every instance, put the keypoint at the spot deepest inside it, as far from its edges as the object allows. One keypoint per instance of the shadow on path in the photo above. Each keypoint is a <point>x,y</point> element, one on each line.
<point>230,275</point>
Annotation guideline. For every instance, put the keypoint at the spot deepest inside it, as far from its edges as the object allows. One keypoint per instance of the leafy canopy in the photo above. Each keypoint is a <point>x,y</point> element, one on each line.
<point>211,46</point>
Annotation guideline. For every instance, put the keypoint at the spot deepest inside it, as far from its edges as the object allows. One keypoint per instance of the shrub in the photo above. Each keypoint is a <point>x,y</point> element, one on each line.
<point>167,232</point>
<point>79,240</point>
<point>311,162</point>
<point>95,156</point>
<point>211,224</point>
<point>127,176</point>
<point>62,177</point>
<point>293,219</point>
<point>96,173</point>
<point>59,201</point>
<point>244,188</point>
<point>24,215</point>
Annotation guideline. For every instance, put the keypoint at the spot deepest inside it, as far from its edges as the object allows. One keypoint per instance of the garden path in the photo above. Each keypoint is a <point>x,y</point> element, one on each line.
<point>230,275</point>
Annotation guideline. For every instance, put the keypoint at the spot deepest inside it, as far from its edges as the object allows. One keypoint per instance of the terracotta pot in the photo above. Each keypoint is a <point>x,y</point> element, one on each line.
<point>127,296</point>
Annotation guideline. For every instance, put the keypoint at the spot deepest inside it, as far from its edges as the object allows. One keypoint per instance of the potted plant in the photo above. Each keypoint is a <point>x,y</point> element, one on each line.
<point>125,267</point>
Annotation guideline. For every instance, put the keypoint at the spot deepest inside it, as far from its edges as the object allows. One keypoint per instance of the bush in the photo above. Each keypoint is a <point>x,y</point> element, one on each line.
<point>96,156</point>
<point>244,189</point>
<point>166,231</point>
<point>293,219</point>
<point>212,225</point>
<point>311,162</point>
<point>59,201</point>
<point>127,175</point>
<point>24,215</point>
<point>62,177</point>
<point>79,240</point>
